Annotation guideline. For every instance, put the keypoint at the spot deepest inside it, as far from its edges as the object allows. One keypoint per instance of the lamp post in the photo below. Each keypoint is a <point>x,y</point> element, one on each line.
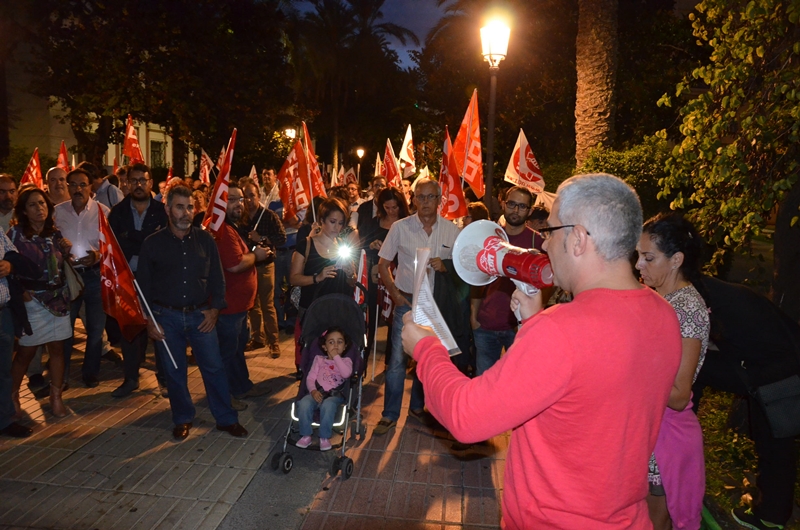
<point>360,153</point>
<point>494,44</point>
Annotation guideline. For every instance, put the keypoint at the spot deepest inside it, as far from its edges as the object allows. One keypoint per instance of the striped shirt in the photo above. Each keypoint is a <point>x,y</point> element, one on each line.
<point>5,246</point>
<point>406,236</point>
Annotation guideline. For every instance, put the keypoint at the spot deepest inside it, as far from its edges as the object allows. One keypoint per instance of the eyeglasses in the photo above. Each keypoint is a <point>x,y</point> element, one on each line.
<point>76,185</point>
<point>239,200</point>
<point>138,182</point>
<point>517,206</point>
<point>547,232</point>
<point>426,198</point>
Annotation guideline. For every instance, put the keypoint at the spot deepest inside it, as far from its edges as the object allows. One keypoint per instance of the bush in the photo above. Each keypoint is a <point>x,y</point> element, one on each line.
<point>17,160</point>
<point>642,166</point>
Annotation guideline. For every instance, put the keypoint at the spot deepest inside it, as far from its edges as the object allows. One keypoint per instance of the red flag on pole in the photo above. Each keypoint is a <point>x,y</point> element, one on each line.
<point>215,213</point>
<point>169,173</point>
<point>391,167</point>
<point>523,169</point>
<point>205,167</point>
<point>467,148</point>
<point>116,166</point>
<point>290,182</point>
<point>116,284</point>
<point>317,184</point>
<point>453,204</point>
<point>358,295</point>
<point>131,147</point>
<point>33,173</point>
<point>63,160</point>
<point>221,158</point>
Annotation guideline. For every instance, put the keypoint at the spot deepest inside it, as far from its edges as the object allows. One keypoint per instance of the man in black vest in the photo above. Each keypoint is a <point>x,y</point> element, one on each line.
<point>133,219</point>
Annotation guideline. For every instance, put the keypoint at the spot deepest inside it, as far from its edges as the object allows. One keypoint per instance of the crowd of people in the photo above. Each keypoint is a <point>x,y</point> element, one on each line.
<point>599,383</point>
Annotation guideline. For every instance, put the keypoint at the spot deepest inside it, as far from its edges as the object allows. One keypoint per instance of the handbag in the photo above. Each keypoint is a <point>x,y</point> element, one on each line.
<point>781,404</point>
<point>294,295</point>
<point>73,280</point>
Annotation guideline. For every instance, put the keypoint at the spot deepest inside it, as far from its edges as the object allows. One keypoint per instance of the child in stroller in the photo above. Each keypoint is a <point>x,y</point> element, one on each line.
<point>325,382</point>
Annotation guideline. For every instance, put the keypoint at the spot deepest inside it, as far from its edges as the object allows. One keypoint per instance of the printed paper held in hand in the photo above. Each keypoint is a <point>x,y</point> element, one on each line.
<point>424,308</point>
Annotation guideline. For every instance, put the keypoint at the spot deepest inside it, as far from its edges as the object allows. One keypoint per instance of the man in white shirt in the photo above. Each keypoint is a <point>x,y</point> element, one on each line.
<point>426,228</point>
<point>8,196</point>
<point>57,185</point>
<point>79,221</point>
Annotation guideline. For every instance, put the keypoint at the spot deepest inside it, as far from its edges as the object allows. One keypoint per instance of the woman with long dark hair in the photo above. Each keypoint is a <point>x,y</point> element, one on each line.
<point>47,298</point>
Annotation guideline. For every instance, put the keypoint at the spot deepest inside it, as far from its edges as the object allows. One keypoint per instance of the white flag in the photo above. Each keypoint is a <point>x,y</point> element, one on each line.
<point>407,154</point>
<point>378,165</point>
<point>523,169</point>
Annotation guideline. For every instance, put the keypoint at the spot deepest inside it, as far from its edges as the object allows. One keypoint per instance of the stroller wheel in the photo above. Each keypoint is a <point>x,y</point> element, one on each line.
<point>347,468</point>
<point>285,463</point>
<point>275,462</point>
<point>336,464</point>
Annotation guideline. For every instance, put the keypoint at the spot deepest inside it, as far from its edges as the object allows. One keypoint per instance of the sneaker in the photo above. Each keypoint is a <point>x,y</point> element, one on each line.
<point>384,426</point>
<point>303,442</point>
<point>254,345</point>
<point>745,517</point>
<point>325,444</point>
<point>238,405</point>
<point>275,350</point>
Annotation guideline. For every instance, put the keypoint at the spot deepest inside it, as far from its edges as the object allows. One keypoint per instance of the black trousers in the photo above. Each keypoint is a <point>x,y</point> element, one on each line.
<point>777,461</point>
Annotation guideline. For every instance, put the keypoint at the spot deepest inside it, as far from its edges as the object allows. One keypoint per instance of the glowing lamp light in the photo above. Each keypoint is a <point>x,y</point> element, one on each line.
<point>360,153</point>
<point>290,133</point>
<point>494,42</point>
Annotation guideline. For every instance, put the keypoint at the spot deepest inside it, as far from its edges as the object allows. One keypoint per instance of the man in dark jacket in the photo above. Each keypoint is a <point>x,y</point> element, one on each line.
<point>133,219</point>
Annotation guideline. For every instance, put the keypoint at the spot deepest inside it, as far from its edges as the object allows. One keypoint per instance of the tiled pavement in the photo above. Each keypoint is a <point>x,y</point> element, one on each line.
<point>113,463</point>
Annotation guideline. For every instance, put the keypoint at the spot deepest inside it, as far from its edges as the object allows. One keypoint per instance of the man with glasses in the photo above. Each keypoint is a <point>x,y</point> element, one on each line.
<point>493,323</point>
<point>241,285</point>
<point>79,222</point>
<point>426,228</point>
<point>585,384</point>
<point>8,197</point>
<point>135,218</point>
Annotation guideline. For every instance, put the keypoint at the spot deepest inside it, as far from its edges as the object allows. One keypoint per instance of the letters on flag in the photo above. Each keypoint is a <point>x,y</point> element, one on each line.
<point>116,284</point>
<point>312,167</point>
<point>407,154</point>
<point>131,147</point>
<point>391,167</point>
<point>33,173</point>
<point>467,148</point>
<point>63,161</point>
<point>292,190</point>
<point>205,167</point>
<point>452,205</point>
<point>215,213</point>
<point>523,169</point>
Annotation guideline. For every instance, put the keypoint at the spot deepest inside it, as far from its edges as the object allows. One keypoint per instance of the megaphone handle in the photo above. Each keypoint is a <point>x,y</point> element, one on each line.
<point>528,290</point>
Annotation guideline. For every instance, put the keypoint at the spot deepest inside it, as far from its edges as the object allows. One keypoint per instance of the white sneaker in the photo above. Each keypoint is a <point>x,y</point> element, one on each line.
<point>304,442</point>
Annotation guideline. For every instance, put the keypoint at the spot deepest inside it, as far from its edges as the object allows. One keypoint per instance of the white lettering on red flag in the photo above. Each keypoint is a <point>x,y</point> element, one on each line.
<point>131,147</point>
<point>116,284</point>
<point>453,204</point>
<point>391,167</point>
<point>215,214</point>
<point>523,169</point>
<point>63,160</point>
<point>467,148</point>
<point>205,167</point>
<point>33,173</point>
<point>317,184</point>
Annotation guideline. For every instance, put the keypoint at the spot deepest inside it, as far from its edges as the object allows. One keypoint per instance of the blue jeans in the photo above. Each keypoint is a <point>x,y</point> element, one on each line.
<point>233,335</point>
<point>396,373</point>
<point>6,356</point>
<point>95,324</point>
<point>488,346</point>
<point>283,262</point>
<point>179,329</point>
<point>327,414</point>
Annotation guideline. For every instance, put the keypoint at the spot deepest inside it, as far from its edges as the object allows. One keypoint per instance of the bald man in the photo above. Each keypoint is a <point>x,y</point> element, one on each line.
<point>57,185</point>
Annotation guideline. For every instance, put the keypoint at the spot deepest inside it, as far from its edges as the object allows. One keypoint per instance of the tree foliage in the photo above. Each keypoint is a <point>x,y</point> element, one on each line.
<point>740,146</point>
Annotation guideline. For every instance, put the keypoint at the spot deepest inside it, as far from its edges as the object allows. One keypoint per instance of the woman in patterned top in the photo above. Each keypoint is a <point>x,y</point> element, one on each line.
<point>670,254</point>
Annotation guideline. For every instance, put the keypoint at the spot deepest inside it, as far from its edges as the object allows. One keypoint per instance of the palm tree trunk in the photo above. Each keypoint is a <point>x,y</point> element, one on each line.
<point>596,64</point>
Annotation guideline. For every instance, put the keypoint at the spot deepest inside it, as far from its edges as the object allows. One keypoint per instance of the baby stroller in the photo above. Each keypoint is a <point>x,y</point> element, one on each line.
<point>327,311</point>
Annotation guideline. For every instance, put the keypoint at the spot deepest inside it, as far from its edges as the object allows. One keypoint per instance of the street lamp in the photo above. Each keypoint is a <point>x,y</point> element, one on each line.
<point>494,44</point>
<point>360,153</point>
<point>290,133</point>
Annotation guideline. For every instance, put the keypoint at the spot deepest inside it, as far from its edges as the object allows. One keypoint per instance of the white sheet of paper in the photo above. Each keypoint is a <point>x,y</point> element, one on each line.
<point>424,308</point>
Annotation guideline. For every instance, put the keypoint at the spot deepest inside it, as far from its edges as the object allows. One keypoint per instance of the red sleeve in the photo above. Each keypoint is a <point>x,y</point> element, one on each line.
<point>231,248</point>
<point>530,377</point>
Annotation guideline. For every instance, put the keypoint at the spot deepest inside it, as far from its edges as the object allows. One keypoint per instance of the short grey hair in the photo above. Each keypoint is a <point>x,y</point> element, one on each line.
<point>424,182</point>
<point>177,189</point>
<point>607,207</point>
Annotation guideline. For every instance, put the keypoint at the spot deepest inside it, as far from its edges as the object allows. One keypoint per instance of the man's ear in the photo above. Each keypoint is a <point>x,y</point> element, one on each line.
<point>580,240</point>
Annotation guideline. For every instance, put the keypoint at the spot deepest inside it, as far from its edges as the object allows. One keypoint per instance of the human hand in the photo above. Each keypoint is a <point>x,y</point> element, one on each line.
<point>437,264</point>
<point>376,245</point>
<point>254,236</point>
<point>154,331</point>
<point>209,320</point>
<point>65,245</point>
<point>5,268</point>
<point>474,322</point>
<point>527,305</point>
<point>317,395</point>
<point>327,272</point>
<point>398,299</point>
<point>91,257</point>
<point>413,333</point>
<point>260,253</point>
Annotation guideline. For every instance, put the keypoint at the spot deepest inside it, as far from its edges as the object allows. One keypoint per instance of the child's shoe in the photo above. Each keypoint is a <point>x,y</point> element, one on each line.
<point>303,442</point>
<point>324,444</point>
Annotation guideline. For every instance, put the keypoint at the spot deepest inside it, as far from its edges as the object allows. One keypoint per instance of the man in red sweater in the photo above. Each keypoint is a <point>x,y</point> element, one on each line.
<point>583,386</point>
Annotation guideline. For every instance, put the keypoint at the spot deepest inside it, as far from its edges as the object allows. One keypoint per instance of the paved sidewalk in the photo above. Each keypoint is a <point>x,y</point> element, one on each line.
<point>113,464</point>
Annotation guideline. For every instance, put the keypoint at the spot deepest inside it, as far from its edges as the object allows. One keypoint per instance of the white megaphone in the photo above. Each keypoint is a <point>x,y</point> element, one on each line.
<point>482,254</point>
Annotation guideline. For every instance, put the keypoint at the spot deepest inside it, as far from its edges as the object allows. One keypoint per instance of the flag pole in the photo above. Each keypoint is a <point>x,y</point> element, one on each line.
<point>150,312</point>
<point>375,340</point>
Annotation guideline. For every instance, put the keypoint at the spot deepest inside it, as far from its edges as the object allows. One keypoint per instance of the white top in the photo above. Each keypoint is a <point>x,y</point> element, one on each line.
<point>108,194</point>
<point>5,220</point>
<point>83,229</point>
<point>406,236</point>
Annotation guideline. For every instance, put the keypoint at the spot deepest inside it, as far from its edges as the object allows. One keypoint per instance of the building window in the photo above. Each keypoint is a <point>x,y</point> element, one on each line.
<point>158,154</point>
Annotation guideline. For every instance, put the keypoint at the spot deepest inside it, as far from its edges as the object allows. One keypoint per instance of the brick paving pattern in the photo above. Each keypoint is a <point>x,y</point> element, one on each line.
<point>114,464</point>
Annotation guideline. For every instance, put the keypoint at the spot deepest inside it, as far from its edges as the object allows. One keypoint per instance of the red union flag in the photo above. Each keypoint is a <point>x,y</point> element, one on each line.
<point>523,169</point>
<point>116,166</point>
<point>361,277</point>
<point>215,214</point>
<point>350,176</point>
<point>205,167</point>
<point>453,204</point>
<point>33,173</point>
<point>131,148</point>
<point>63,161</point>
<point>292,191</point>
<point>467,148</point>
<point>312,167</point>
<point>407,154</point>
<point>116,284</point>
<point>391,168</point>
